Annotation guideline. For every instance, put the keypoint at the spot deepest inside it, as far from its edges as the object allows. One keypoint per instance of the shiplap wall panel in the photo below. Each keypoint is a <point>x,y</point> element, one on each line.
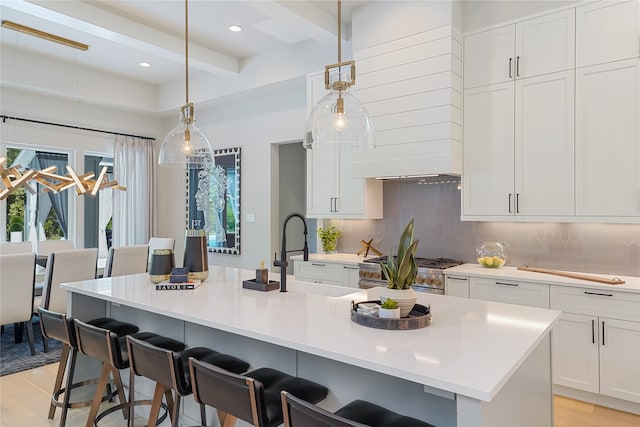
<point>406,55</point>
<point>425,100</point>
<point>439,114</point>
<point>404,42</point>
<point>402,88</point>
<point>426,67</point>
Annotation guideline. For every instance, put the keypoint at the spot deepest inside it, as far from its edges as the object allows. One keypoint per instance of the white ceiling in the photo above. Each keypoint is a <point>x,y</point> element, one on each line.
<point>123,33</point>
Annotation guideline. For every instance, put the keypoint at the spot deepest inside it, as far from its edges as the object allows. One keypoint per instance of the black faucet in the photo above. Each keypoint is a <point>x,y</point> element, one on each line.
<point>282,262</point>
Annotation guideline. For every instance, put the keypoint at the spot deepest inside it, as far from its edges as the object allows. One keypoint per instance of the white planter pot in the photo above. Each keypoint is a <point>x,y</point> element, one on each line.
<point>16,236</point>
<point>406,298</point>
<point>389,313</point>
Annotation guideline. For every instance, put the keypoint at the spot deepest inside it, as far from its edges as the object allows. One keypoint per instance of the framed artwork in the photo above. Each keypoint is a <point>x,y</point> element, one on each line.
<point>213,201</point>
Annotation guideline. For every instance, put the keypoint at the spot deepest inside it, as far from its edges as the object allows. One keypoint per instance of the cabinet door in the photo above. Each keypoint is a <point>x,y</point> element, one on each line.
<point>487,181</point>
<point>322,176</point>
<point>544,147</point>
<point>457,286</point>
<point>545,44</point>
<point>351,191</point>
<point>509,291</point>
<point>489,57</point>
<point>350,275</point>
<point>620,359</point>
<point>608,139</point>
<point>575,352</point>
<point>318,272</point>
<point>607,31</point>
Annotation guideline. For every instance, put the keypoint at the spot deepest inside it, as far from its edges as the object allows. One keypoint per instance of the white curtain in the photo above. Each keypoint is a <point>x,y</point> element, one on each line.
<point>104,215</point>
<point>132,209</point>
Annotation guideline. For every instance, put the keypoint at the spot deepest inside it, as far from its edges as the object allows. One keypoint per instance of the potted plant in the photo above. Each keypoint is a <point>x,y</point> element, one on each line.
<point>329,238</point>
<point>389,309</point>
<point>401,272</point>
<point>15,229</point>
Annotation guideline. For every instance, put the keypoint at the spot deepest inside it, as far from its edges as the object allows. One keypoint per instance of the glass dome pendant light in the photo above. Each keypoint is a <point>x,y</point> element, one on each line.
<point>186,145</point>
<point>339,117</point>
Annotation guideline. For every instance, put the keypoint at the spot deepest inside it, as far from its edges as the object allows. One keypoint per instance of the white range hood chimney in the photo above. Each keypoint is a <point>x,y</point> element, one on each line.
<point>408,56</point>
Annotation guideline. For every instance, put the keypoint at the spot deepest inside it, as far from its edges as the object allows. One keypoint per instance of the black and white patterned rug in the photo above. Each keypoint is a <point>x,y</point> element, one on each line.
<point>17,357</point>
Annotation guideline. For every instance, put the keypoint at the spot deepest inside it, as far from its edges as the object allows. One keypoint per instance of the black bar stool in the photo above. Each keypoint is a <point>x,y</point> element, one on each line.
<point>59,327</point>
<point>170,371</point>
<point>109,348</point>
<point>299,413</point>
<point>254,397</point>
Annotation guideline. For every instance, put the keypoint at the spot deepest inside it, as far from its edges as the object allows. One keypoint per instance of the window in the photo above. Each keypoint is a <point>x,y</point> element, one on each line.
<point>43,215</point>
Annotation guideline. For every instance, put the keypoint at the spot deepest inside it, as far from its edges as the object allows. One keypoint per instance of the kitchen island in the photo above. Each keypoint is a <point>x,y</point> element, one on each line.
<point>479,363</point>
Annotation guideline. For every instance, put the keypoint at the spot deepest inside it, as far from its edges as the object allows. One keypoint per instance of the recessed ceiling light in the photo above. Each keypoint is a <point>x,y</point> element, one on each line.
<point>145,65</point>
<point>235,28</point>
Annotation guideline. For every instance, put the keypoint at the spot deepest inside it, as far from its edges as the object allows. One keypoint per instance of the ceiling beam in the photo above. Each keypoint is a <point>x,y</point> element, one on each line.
<point>96,22</point>
<point>305,17</point>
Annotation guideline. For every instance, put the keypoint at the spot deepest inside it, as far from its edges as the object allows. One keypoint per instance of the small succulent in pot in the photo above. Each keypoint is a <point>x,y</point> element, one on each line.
<point>401,272</point>
<point>389,304</point>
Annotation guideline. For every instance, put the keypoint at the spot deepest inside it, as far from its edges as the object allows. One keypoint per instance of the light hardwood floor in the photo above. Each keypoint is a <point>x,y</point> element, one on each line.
<point>24,402</point>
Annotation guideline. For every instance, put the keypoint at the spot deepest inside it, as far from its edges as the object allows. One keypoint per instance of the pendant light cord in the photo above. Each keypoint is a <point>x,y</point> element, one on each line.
<point>186,48</point>
<point>339,31</point>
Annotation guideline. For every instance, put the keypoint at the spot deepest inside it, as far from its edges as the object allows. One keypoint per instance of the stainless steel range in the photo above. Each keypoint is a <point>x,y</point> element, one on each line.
<point>430,273</point>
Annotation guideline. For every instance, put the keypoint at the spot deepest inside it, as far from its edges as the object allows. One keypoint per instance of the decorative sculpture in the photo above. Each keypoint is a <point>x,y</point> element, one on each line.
<point>12,179</point>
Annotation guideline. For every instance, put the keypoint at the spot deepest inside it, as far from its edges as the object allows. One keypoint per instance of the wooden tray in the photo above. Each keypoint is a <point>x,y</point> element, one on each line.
<point>253,284</point>
<point>419,317</point>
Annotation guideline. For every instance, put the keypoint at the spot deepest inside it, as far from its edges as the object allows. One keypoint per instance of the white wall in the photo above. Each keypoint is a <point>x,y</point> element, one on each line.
<point>254,125</point>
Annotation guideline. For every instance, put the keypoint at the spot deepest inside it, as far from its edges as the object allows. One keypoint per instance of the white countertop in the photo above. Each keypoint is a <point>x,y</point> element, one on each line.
<point>632,284</point>
<point>472,348</point>
<point>341,258</point>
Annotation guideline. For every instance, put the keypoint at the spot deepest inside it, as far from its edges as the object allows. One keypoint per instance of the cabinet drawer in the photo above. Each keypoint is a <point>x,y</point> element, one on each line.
<point>317,271</point>
<point>596,302</point>
<point>510,292</point>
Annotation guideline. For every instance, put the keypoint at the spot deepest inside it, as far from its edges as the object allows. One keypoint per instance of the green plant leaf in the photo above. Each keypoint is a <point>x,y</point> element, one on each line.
<point>405,240</point>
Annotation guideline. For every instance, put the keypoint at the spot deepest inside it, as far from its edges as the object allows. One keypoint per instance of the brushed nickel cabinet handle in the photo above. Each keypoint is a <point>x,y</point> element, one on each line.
<point>603,333</point>
<point>593,331</point>
<point>518,66</point>
<point>318,265</point>
<point>506,284</point>
<point>510,61</point>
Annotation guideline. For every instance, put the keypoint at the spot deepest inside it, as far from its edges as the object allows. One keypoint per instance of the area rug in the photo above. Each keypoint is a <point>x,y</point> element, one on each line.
<point>17,357</point>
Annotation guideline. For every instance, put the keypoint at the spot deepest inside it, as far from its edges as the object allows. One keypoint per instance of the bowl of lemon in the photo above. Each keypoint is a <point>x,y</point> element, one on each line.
<point>491,254</point>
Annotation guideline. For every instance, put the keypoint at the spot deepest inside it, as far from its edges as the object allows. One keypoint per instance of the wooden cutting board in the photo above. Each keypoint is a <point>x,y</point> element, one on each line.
<point>613,281</point>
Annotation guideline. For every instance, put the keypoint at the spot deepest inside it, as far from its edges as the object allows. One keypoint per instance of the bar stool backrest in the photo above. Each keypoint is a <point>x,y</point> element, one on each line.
<point>17,275</point>
<point>99,343</point>
<point>66,266</point>
<point>57,326</point>
<point>238,395</point>
<point>299,413</point>
<point>123,260</point>
<point>159,364</point>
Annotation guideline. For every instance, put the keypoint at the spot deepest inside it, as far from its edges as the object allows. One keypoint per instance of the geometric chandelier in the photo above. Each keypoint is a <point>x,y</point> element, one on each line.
<point>12,179</point>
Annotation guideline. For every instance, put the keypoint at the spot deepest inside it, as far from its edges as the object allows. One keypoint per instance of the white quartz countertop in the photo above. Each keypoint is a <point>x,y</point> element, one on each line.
<point>472,347</point>
<point>632,284</point>
<point>337,258</point>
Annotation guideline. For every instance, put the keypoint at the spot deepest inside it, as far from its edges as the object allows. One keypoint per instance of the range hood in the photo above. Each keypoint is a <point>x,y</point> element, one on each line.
<point>424,158</point>
<point>410,81</point>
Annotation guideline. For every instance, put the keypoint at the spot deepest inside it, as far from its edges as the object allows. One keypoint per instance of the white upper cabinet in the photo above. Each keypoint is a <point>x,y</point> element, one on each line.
<point>332,192</point>
<point>488,57</point>
<point>533,47</point>
<point>544,145</point>
<point>607,31</point>
<point>608,140</point>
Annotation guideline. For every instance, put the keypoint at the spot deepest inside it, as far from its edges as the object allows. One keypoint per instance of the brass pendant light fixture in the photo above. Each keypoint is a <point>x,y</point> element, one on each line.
<point>339,117</point>
<point>186,145</point>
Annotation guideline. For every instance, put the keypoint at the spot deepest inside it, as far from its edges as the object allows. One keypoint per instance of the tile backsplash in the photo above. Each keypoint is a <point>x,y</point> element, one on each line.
<point>590,248</point>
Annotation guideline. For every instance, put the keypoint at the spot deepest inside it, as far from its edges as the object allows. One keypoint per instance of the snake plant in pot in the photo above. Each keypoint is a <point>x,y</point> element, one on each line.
<point>401,272</point>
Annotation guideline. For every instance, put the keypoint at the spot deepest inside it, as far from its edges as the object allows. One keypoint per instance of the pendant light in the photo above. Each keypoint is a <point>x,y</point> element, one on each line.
<point>339,117</point>
<point>186,145</point>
